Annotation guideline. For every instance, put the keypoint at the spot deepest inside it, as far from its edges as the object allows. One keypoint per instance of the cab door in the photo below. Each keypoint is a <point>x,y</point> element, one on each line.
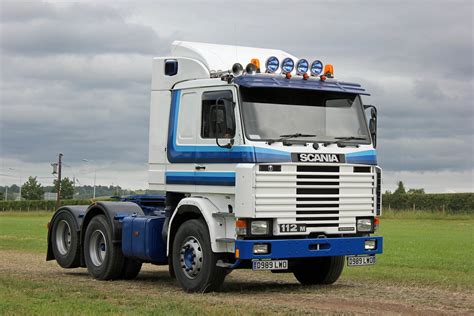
<point>180,172</point>
<point>218,140</point>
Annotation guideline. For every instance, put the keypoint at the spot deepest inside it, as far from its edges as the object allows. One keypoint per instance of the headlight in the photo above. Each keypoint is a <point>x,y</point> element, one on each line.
<point>260,249</point>
<point>272,64</point>
<point>287,65</point>
<point>365,225</point>
<point>259,228</point>
<point>370,244</point>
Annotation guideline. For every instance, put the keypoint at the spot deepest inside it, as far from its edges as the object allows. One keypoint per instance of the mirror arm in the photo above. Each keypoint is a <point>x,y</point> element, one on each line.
<point>230,144</point>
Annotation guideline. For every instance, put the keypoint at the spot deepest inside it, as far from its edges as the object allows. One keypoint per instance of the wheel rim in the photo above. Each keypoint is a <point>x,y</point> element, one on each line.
<point>97,248</point>
<point>191,257</point>
<point>63,237</point>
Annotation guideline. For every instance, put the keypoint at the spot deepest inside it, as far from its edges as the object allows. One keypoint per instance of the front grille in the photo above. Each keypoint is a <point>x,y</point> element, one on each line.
<point>313,207</point>
<point>324,197</point>
<point>378,191</point>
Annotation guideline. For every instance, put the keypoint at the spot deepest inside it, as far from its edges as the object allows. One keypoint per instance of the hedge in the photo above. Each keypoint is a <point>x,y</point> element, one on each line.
<point>444,202</point>
<point>449,202</point>
<point>37,205</point>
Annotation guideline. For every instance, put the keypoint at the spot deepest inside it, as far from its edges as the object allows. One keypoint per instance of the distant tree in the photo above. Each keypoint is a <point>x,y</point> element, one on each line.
<point>400,189</point>
<point>416,191</point>
<point>32,190</point>
<point>67,188</point>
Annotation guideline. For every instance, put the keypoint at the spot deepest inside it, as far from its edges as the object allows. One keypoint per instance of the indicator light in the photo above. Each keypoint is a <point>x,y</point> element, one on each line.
<point>329,71</point>
<point>256,62</point>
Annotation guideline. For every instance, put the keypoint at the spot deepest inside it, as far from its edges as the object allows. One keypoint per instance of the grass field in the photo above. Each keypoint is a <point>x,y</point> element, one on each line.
<point>432,253</point>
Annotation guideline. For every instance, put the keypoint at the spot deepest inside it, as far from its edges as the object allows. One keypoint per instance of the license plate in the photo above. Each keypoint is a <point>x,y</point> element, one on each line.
<point>292,228</point>
<point>269,264</point>
<point>360,260</point>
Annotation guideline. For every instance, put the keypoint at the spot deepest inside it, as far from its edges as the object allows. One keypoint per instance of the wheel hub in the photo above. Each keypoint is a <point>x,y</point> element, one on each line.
<point>63,237</point>
<point>97,248</point>
<point>191,257</point>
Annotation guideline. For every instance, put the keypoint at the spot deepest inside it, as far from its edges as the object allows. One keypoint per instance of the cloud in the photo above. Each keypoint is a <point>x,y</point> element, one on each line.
<point>75,77</point>
<point>73,29</point>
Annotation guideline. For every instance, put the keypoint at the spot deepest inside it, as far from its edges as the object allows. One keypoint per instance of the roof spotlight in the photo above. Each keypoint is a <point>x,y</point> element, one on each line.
<point>302,67</point>
<point>272,64</point>
<point>237,69</point>
<point>287,65</point>
<point>251,69</point>
<point>316,68</point>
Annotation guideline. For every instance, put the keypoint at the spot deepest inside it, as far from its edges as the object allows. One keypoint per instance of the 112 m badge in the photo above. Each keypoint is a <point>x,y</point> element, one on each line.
<point>292,228</point>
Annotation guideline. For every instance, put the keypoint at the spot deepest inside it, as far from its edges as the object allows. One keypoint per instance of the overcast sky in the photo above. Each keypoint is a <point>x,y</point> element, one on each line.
<point>75,78</point>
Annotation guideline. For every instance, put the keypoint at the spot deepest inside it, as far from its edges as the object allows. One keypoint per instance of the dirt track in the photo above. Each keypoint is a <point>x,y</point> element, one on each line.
<point>277,292</point>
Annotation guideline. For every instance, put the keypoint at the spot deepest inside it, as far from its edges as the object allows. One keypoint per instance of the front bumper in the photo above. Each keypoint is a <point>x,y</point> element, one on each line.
<point>304,248</point>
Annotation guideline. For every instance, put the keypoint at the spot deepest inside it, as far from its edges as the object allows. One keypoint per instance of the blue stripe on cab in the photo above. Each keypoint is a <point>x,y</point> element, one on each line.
<point>200,178</point>
<point>367,157</point>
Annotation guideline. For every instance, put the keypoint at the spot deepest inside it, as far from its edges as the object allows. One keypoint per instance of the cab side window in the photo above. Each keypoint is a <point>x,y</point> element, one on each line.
<point>217,116</point>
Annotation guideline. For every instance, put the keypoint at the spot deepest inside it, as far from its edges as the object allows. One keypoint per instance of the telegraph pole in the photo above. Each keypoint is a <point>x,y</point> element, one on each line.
<point>58,184</point>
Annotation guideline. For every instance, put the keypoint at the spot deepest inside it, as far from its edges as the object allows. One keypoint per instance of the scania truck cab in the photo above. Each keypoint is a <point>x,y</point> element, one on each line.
<point>266,162</point>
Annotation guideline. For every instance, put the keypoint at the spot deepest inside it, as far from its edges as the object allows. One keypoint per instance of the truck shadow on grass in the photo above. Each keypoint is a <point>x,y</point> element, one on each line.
<point>161,279</point>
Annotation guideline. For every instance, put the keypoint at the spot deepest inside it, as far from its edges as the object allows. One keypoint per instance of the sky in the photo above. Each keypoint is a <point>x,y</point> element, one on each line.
<point>75,78</point>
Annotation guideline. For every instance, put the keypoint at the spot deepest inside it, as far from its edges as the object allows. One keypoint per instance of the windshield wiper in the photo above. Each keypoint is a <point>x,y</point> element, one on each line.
<point>350,138</point>
<point>288,136</point>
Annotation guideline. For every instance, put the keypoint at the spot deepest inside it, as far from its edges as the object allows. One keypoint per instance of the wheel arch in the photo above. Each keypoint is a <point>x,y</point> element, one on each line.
<point>77,212</point>
<point>196,208</point>
<point>114,212</point>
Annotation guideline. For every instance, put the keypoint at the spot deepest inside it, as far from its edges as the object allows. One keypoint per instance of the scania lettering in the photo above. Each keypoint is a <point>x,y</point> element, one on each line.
<point>262,166</point>
<point>318,158</point>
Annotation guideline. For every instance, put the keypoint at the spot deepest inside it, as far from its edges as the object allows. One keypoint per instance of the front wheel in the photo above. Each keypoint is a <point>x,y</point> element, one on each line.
<point>194,262</point>
<point>321,270</point>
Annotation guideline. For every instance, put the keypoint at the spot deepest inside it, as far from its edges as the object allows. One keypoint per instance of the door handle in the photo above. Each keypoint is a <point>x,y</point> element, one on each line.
<point>200,168</point>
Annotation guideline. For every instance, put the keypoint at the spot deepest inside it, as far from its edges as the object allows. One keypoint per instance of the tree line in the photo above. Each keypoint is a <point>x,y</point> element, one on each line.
<point>33,190</point>
<point>417,199</point>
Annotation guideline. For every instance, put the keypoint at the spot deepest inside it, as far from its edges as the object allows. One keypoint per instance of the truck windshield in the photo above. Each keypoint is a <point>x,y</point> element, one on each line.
<point>270,113</point>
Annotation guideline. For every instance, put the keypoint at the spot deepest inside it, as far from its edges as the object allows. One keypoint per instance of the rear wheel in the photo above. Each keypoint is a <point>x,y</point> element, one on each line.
<point>194,262</point>
<point>321,270</point>
<point>65,241</point>
<point>104,260</point>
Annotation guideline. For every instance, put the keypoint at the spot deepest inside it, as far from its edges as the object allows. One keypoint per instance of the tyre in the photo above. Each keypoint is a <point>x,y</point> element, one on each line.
<point>65,241</point>
<point>131,268</point>
<point>194,262</point>
<point>104,260</point>
<point>171,268</point>
<point>322,270</point>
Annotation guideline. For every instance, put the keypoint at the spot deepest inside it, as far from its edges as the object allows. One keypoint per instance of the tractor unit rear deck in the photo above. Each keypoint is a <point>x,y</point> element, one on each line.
<point>266,162</point>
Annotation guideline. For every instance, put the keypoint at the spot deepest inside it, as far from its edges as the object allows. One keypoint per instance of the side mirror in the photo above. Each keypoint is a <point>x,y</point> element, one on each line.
<point>372,123</point>
<point>220,116</point>
<point>225,122</point>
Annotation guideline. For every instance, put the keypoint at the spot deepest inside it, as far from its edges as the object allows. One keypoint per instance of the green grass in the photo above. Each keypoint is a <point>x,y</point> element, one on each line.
<point>40,297</point>
<point>421,251</point>
<point>426,251</point>
<point>24,231</point>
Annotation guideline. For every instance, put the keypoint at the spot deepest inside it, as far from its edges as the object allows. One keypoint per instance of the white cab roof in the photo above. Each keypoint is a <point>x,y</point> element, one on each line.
<point>222,57</point>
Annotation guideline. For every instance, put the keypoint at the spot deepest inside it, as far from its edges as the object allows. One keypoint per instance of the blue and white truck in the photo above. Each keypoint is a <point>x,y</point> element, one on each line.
<point>267,163</point>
